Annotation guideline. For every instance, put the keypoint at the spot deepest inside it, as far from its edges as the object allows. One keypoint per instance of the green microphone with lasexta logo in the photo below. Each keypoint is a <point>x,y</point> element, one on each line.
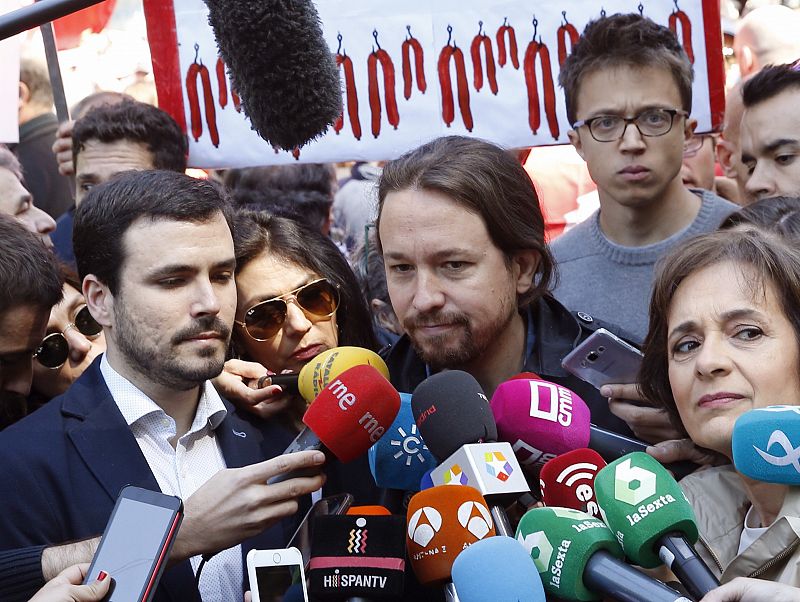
<point>647,511</point>
<point>578,558</point>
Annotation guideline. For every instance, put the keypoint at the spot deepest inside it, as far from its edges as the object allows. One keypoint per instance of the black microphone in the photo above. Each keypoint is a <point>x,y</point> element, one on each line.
<point>280,66</point>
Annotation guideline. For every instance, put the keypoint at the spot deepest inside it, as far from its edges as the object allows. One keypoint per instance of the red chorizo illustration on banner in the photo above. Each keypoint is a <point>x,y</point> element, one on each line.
<point>685,34</point>
<point>351,94</point>
<point>380,56</point>
<point>197,68</point>
<point>537,50</point>
<point>483,41</point>
<point>566,31</point>
<point>409,44</point>
<point>462,87</point>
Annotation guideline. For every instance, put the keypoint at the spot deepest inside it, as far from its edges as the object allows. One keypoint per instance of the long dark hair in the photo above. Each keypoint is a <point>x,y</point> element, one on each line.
<point>256,232</point>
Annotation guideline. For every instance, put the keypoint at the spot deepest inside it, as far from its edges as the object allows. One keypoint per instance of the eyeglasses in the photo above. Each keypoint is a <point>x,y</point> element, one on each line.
<point>318,300</point>
<point>651,123</point>
<point>54,350</point>
<point>695,143</point>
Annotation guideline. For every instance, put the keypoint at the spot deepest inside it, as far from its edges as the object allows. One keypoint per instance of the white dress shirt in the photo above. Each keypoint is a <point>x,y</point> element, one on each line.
<point>183,469</point>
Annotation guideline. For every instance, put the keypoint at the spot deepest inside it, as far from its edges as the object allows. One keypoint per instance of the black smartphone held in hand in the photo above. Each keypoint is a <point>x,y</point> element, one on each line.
<point>604,359</point>
<point>136,543</point>
<point>335,504</point>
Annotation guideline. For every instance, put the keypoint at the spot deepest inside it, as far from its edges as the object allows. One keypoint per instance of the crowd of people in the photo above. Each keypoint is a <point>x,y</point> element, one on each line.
<point>137,324</point>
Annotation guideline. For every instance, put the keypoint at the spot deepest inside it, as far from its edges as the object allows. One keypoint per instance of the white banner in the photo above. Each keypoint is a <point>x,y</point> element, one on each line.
<point>490,70</point>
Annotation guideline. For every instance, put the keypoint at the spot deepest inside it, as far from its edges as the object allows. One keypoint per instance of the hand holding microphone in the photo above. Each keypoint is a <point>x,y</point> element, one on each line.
<point>744,589</point>
<point>347,417</point>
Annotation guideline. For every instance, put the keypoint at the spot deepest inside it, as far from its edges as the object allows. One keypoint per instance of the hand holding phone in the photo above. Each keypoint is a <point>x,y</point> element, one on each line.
<point>136,543</point>
<point>604,358</point>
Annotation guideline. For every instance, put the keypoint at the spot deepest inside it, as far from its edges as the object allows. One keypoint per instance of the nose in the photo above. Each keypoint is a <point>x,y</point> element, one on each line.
<point>38,221</point>
<point>207,301</point>
<point>79,345</point>
<point>632,140</point>
<point>712,359</point>
<point>428,295</point>
<point>760,184</point>
<point>296,323</point>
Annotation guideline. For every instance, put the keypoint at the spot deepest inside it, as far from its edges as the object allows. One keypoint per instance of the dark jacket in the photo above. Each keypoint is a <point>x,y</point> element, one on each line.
<point>557,332</point>
<point>51,191</point>
<point>64,465</point>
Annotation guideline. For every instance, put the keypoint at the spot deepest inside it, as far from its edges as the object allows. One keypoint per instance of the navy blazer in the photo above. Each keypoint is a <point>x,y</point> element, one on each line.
<point>62,468</point>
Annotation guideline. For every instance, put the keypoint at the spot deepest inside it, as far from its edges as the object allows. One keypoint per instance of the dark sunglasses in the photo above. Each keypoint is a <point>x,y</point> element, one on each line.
<point>54,350</point>
<point>318,300</point>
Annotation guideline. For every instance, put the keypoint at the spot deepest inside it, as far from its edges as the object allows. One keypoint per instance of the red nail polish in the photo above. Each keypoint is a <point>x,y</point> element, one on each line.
<point>102,575</point>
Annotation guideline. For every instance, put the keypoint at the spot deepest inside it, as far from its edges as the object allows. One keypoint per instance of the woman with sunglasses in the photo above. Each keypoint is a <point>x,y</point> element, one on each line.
<point>73,339</point>
<point>297,297</point>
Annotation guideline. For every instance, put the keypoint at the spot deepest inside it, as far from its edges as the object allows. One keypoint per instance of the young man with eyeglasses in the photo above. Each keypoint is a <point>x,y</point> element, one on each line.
<point>155,253</point>
<point>628,89</point>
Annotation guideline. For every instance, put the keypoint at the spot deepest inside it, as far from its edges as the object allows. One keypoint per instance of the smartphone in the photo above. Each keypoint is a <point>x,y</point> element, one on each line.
<point>136,543</point>
<point>603,359</point>
<point>277,575</point>
<point>335,504</point>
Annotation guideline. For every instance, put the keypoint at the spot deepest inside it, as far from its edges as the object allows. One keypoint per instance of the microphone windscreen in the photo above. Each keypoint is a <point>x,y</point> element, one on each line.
<point>766,444</point>
<point>561,541</point>
<point>426,482</point>
<point>400,458</point>
<point>442,521</point>
<point>540,419</point>
<point>641,502</point>
<point>568,480</point>
<point>514,574</point>
<point>368,511</point>
<point>280,65</point>
<point>329,364</point>
<point>357,556</point>
<point>451,409</point>
<point>353,412</point>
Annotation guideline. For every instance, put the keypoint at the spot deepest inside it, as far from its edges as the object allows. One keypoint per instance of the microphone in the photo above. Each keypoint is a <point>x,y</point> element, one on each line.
<point>450,409</point>
<point>646,508</point>
<point>400,458</point>
<point>568,480</point>
<point>579,558</point>
<point>540,419</point>
<point>443,521</point>
<point>764,444</point>
<point>357,556</point>
<point>315,375</point>
<point>453,414</point>
<point>350,414</point>
<point>509,566</point>
<point>281,67</point>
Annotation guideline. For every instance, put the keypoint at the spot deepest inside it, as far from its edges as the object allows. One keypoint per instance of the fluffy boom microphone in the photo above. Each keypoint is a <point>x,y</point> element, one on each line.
<point>280,66</point>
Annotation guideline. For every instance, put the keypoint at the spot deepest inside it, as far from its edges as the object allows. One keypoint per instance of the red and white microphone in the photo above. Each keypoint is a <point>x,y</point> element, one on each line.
<point>348,416</point>
<point>568,480</point>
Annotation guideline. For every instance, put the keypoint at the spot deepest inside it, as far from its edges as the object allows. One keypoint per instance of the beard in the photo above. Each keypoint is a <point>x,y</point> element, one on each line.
<point>13,407</point>
<point>465,343</point>
<point>169,367</point>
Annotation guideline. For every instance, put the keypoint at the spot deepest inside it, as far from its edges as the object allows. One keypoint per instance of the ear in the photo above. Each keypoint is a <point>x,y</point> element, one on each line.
<point>746,60</point>
<point>725,152</point>
<point>575,140</point>
<point>24,94</point>
<point>689,128</point>
<point>99,300</point>
<point>523,266</point>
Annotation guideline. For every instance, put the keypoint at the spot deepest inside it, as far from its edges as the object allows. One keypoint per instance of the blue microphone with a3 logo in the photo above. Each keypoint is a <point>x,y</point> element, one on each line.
<point>766,444</point>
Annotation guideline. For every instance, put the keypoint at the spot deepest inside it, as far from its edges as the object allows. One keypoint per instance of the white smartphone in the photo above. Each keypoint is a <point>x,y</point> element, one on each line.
<point>277,575</point>
<point>604,358</point>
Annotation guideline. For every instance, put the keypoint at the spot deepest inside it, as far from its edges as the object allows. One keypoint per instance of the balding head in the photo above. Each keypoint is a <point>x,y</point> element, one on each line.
<point>729,152</point>
<point>767,36</point>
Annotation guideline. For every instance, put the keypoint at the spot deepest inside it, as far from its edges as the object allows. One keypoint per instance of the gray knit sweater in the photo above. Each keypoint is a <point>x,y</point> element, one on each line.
<point>614,282</point>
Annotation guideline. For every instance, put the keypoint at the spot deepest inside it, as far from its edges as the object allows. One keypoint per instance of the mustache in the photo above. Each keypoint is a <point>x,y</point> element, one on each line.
<point>203,325</point>
<point>421,320</point>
